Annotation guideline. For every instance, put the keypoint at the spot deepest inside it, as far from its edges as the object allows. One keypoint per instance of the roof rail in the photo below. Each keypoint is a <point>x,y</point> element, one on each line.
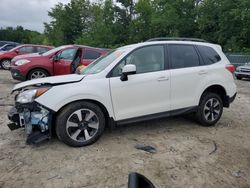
<point>175,38</point>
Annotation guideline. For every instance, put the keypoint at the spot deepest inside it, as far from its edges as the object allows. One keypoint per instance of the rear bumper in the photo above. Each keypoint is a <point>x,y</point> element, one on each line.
<point>16,74</point>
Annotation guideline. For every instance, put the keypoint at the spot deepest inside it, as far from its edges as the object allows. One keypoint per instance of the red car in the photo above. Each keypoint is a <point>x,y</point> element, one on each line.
<point>58,61</point>
<point>6,57</point>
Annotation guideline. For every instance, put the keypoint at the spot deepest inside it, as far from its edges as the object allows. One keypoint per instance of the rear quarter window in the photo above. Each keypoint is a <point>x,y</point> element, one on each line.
<point>90,54</point>
<point>209,55</point>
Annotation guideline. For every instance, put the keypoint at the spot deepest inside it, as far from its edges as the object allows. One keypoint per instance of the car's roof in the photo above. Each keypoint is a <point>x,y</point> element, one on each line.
<point>132,46</point>
<point>36,45</point>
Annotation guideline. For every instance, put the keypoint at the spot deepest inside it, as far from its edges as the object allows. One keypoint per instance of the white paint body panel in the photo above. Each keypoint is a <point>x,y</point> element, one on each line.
<point>142,94</point>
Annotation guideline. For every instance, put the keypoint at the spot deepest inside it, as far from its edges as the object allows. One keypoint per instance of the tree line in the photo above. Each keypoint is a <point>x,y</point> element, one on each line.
<point>105,23</point>
<point>21,35</point>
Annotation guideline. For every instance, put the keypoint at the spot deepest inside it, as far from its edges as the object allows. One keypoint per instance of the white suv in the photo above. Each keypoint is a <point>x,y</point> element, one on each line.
<point>133,83</point>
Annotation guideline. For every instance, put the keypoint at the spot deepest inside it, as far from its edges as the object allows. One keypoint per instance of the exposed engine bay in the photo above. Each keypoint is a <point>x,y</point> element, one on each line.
<point>34,118</point>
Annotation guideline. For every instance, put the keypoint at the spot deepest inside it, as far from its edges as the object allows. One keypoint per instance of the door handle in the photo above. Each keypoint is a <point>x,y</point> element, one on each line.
<point>201,72</point>
<point>163,78</point>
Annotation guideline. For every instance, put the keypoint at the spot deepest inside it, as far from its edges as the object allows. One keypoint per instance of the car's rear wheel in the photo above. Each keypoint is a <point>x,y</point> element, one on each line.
<point>210,109</point>
<point>37,73</point>
<point>5,64</point>
<point>80,124</point>
<point>238,77</point>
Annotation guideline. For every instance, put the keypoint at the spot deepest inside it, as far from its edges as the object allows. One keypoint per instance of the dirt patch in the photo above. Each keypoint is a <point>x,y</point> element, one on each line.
<point>185,157</point>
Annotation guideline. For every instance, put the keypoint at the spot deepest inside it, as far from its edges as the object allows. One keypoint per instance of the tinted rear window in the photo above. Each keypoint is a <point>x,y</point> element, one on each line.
<point>183,56</point>
<point>88,54</point>
<point>209,55</point>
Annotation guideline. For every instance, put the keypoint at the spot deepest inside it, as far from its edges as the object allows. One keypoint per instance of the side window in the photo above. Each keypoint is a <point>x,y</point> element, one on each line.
<point>27,49</point>
<point>89,54</point>
<point>67,54</point>
<point>42,49</point>
<point>209,55</point>
<point>146,59</point>
<point>183,56</point>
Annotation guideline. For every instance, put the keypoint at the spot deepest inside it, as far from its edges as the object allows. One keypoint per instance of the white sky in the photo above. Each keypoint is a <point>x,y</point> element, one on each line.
<point>28,13</point>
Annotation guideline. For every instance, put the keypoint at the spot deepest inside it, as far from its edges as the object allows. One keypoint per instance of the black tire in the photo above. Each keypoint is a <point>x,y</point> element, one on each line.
<point>5,64</point>
<point>238,77</point>
<point>200,114</point>
<point>62,130</point>
<point>34,71</point>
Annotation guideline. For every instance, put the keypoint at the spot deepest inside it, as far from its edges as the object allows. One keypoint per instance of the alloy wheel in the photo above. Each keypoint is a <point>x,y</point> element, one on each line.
<point>37,74</point>
<point>212,109</point>
<point>82,125</point>
<point>6,64</point>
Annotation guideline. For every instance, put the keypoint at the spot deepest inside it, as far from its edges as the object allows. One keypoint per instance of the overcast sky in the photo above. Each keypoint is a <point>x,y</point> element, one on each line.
<point>28,13</point>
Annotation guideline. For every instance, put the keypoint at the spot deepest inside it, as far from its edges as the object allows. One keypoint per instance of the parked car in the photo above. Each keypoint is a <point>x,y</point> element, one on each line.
<point>6,57</point>
<point>58,61</point>
<point>7,42</point>
<point>133,83</point>
<point>243,71</point>
<point>8,47</point>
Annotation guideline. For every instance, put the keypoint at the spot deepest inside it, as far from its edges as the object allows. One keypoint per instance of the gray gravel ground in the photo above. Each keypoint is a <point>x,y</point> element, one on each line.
<point>185,156</point>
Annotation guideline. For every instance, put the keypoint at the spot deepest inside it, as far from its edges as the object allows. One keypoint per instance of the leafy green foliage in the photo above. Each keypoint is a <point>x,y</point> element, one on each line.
<point>21,35</point>
<point>104,23</point>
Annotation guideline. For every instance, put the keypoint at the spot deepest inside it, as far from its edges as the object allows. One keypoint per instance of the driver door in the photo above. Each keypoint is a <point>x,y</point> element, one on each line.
<point>63,60</point>
<point>146,92</point>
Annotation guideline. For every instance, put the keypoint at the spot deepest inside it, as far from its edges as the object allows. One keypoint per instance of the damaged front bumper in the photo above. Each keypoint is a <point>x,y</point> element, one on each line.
<point>35,118</point>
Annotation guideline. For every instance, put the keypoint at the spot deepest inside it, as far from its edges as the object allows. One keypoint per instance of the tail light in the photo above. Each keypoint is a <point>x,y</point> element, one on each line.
<point>230,68</point>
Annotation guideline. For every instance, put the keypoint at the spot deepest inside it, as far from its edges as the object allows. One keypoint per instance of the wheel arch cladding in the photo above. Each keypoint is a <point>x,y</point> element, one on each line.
<point>218,89</point>
<point>103,108</point>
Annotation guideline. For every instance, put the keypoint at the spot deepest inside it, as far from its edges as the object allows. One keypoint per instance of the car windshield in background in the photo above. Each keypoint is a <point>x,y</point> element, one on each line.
<point>102,62</point>
<point>53,50</point>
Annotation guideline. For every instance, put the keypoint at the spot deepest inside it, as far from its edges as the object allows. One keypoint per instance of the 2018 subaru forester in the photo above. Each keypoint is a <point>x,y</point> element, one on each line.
<point>133,83</point>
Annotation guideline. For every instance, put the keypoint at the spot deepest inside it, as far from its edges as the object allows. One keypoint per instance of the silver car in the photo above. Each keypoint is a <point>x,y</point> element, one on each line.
<point>243,71</point>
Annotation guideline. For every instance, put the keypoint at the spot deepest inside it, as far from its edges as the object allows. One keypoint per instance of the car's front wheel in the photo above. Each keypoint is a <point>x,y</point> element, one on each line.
<point>210,109</point>
<point>37,73</point>
<point>80,124</point>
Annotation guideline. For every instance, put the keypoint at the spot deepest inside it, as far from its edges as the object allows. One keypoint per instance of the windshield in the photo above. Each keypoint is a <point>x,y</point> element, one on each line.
<point>53,50</point>
<point>102,62</point>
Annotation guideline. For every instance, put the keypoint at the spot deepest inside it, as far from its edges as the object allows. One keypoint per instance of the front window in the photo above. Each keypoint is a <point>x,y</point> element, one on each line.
<point>102,62</point>
<point>67,54</point>
<point>146,59</point>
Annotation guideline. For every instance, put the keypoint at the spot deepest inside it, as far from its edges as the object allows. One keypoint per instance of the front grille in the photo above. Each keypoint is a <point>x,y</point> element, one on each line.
<point>245,70</point>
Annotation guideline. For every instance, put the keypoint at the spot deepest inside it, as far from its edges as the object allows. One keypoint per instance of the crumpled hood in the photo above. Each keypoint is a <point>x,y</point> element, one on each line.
<point>53,80</point>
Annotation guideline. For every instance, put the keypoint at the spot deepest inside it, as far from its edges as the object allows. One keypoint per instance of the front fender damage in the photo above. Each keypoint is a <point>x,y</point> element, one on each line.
<point>34,118</point>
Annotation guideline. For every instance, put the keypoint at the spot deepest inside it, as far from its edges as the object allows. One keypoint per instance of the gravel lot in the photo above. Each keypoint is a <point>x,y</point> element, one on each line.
<point>186,155</point>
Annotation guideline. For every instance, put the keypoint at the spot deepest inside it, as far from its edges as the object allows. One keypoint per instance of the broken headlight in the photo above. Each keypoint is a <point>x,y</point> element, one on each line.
<point>28,96</point>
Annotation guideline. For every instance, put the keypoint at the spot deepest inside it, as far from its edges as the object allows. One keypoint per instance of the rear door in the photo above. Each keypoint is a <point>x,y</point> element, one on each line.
<point>63,60</point>
<point>89,55</point>
<point>187,75</point>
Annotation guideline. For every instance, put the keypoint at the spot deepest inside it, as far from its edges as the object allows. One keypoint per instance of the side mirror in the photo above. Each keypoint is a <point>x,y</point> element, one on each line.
<point>136,180</point>
<point>127,70</point>
<point>17,51</point>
